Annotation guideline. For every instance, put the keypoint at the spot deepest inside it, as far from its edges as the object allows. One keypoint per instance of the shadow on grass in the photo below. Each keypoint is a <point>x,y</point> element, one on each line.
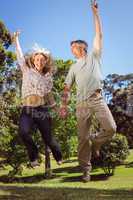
<point>75,169</point>
<point>70,161</point>
<point>129,165</point>
<point>40,177</point>
<point>27,179</point>
<point>41,193</point>
<point>56,173</point>
<point>98,177</point>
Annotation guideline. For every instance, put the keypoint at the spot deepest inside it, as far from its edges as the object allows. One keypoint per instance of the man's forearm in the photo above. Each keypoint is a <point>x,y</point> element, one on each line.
<point>98,29</point>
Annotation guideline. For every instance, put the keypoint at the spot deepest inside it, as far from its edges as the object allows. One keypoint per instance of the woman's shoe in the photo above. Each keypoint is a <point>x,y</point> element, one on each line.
<point>59,162</point>
<point>34,163</point>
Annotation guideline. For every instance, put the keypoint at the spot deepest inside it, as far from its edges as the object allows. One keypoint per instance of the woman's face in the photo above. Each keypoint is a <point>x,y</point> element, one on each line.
<point>40,61</point>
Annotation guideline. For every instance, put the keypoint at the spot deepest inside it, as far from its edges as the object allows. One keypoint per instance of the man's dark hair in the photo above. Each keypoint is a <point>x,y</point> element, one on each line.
<point>80,42</point>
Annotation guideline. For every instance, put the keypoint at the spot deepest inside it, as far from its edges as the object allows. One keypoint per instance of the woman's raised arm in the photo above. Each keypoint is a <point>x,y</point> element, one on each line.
<point>19,53</point>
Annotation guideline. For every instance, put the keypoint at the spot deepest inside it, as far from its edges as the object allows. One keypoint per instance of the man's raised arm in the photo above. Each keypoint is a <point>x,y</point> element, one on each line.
<point>97,44</point>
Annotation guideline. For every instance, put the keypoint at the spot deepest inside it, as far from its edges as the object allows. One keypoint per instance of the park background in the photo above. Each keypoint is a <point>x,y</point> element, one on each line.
<point>53,24</point>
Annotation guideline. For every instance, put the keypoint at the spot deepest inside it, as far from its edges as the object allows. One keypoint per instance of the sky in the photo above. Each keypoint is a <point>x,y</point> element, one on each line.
<point>54,23</point>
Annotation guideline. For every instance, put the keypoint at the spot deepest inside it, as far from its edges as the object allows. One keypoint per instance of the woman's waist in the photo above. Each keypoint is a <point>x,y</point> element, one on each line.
<point>34,100</point>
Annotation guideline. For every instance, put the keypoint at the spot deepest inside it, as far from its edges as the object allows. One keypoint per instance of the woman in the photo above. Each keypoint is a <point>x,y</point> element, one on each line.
<point>37,84</point>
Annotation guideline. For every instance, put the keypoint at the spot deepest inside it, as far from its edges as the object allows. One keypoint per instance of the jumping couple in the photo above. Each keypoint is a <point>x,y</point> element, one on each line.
<point>37,69</point>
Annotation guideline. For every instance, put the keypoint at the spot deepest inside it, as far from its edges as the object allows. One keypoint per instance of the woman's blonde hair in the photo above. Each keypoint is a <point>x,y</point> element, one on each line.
<point>49,66</point>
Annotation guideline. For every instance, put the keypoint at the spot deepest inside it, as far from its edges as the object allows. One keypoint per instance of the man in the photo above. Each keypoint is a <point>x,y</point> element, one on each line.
<point>87,76</point>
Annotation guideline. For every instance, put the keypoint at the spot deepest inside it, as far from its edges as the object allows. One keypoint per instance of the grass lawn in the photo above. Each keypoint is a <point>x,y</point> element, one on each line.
<point>66,184</point>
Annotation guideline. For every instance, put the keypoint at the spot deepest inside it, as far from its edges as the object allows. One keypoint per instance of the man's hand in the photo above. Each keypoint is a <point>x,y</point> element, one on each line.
<point>94,6</point>
<point>15,36</point>
<point>63,113</point>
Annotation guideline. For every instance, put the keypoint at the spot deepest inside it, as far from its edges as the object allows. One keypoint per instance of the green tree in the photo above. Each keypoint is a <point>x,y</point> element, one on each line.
<point>118,92</point>
<point>65,129</point>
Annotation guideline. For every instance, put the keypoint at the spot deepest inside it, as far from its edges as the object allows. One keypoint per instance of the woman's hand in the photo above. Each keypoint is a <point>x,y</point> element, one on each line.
<point>15,36</point>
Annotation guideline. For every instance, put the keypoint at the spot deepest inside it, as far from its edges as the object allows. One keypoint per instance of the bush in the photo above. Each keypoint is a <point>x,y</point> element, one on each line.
<point>113,154</point>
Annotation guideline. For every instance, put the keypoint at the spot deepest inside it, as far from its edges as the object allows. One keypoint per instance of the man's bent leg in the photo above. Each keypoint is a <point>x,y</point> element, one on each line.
<point>107,123</point>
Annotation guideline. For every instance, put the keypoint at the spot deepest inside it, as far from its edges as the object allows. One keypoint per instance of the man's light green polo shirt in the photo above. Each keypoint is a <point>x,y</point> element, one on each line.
<point>86,73</point>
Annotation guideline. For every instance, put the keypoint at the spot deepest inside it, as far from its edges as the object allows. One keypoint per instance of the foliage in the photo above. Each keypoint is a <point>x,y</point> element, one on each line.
<point>118,90</point>
<point>112,154</point>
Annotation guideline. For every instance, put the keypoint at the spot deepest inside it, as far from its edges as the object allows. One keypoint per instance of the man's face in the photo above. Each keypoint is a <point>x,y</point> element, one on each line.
<point>78,50</point>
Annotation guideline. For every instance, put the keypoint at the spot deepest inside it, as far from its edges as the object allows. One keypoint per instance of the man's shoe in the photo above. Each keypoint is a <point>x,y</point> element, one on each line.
<point>34,163</point>
<point>86,177</point>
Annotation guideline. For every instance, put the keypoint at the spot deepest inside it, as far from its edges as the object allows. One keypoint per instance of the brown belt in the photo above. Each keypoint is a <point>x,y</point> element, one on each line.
<point>33,100</point>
